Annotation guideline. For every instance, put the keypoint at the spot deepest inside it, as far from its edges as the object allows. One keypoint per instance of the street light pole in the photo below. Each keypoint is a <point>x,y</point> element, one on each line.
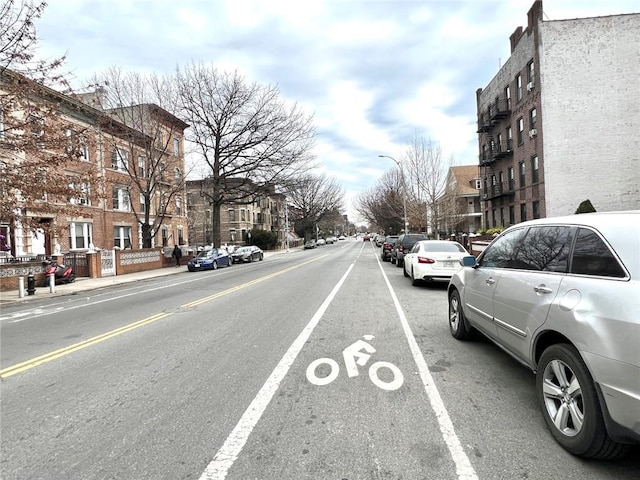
<point>404,192</point>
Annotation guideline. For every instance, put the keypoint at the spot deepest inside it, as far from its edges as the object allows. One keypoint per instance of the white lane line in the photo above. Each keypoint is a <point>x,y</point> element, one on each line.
<point>228,453</point>
<point>464,470</point>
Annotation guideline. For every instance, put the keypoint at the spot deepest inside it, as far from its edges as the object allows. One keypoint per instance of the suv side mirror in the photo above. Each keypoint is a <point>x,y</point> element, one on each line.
<point>468,261</point>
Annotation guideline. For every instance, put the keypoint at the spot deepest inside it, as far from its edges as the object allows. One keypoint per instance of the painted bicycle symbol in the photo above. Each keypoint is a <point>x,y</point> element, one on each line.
<point>356,354</point>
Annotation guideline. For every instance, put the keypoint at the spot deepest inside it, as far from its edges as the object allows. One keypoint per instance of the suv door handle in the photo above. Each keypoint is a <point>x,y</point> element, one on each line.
<point>542,289</point>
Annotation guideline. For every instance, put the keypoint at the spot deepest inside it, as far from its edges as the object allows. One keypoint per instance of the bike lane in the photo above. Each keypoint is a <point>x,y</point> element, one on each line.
<point>355,399</point>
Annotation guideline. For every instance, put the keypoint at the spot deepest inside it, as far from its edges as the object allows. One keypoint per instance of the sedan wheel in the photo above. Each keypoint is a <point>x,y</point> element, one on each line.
<point>458,325</point>
<point>261,257</point>
<point>570,404</point>
<point>214,265</point>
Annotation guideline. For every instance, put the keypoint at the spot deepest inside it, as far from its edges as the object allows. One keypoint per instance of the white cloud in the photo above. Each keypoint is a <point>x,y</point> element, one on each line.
<point>375,73</point>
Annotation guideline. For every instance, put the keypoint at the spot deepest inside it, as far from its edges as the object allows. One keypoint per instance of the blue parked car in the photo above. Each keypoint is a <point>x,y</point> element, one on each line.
<point>210,259</point>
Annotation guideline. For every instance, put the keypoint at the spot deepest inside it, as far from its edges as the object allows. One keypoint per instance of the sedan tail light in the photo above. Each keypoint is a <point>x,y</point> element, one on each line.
<point>425,260</point>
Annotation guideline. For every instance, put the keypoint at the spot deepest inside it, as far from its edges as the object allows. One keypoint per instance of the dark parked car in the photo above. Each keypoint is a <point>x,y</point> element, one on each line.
<point>561,296</point>
<point>247,254</point>
<point>210,259</point>
<point>404,243</point>
<point>387,245</point>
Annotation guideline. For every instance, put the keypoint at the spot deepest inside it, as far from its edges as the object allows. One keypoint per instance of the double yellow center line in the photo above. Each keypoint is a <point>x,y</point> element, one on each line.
<point>48,357</point>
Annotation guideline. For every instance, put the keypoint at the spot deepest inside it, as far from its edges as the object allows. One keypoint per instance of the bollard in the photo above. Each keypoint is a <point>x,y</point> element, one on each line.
<point>52,283</point>
<point>31,284</point>
<point>20,287</point>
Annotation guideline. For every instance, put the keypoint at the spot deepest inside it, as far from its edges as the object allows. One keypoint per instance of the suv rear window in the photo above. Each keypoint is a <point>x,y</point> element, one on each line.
<point>591,256</point>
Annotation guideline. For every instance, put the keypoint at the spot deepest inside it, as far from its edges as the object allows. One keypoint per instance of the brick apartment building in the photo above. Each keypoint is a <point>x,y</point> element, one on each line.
<point>264,211</point>
<point>109,213</point>
<point>559,122</point>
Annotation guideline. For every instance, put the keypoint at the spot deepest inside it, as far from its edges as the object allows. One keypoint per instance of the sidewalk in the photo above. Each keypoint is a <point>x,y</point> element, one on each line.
<point>83,284</point>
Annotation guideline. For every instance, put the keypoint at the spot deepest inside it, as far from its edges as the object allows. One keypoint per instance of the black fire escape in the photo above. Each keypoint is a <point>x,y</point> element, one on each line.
<point>494,150</point>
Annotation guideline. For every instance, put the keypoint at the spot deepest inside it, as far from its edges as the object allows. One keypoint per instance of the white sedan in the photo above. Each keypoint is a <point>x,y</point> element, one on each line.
<point>433,260</point>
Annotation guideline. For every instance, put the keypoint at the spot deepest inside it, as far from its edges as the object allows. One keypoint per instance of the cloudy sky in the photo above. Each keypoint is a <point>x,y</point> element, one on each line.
<point>374,73</point>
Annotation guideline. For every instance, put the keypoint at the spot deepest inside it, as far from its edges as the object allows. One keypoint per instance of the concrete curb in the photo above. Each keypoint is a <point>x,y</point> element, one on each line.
<point>83,284</point>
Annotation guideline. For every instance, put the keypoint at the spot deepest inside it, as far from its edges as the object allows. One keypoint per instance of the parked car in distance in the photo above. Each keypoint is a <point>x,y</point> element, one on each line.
<point>209,259</point>
<point>320,242</point>
<point>379,240</point>
<point>366,238</point>
<point>561,296</point>
<point>341,237</point>
<point>310,244</point>
<point>433,261</point>
<point>403,244</point>
<point>248,253</point>
<point>387,245</point>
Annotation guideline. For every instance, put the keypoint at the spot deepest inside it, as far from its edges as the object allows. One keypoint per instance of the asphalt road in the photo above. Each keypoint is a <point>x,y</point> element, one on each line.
<point>323,364</point>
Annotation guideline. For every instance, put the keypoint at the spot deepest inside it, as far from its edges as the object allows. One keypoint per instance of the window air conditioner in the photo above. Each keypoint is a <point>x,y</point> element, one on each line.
<point>533,132</point>
<point>478,185</point>
<point>529,86</point>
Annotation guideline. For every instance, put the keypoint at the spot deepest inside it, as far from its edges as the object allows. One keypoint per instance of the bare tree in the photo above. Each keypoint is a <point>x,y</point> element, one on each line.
<point>382,205</point>
<point>245,136</point>
<point>41,141</point>
<point>154,165</point>
<point>314,198</point>
<point>425,171</point>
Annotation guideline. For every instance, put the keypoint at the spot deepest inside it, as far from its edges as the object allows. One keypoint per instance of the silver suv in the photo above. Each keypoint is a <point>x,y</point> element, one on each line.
<point>562,296</point>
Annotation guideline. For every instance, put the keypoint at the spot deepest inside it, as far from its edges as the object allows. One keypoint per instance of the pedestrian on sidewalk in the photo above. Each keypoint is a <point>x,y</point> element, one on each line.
<point>177,254</point>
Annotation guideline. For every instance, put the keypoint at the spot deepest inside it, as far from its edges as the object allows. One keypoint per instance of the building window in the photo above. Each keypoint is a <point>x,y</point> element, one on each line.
<point>534,169</point>
<point>507,96</point>
<point>143,204</point>
<point>178,206</point>
<point>509,138</point>
<point>536,209</point>
<point>165,237</point>
<point>512,215</point>
<point>243,215</point>
<point>159,141</point>
<point>520,131</point>
<point>142,170</point>
<point>512,182</point>
<point>519,87</point>
<point>532,118</point>
<point>82,197</point>
<point>523,171</point>
<point>119,159</point>
<point>79,235</point>
<point>232,215</point>
<point>531,75</point>
<point>83,152</point>
<point>176,147</point>
<point>180,236</point>
<point>502,216</point>
<point>36,125</point>
<point>122,237</point>
<point>523,212</point>
<point>493,212</point>
<point>121,199</point>
<point>178,176</point>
